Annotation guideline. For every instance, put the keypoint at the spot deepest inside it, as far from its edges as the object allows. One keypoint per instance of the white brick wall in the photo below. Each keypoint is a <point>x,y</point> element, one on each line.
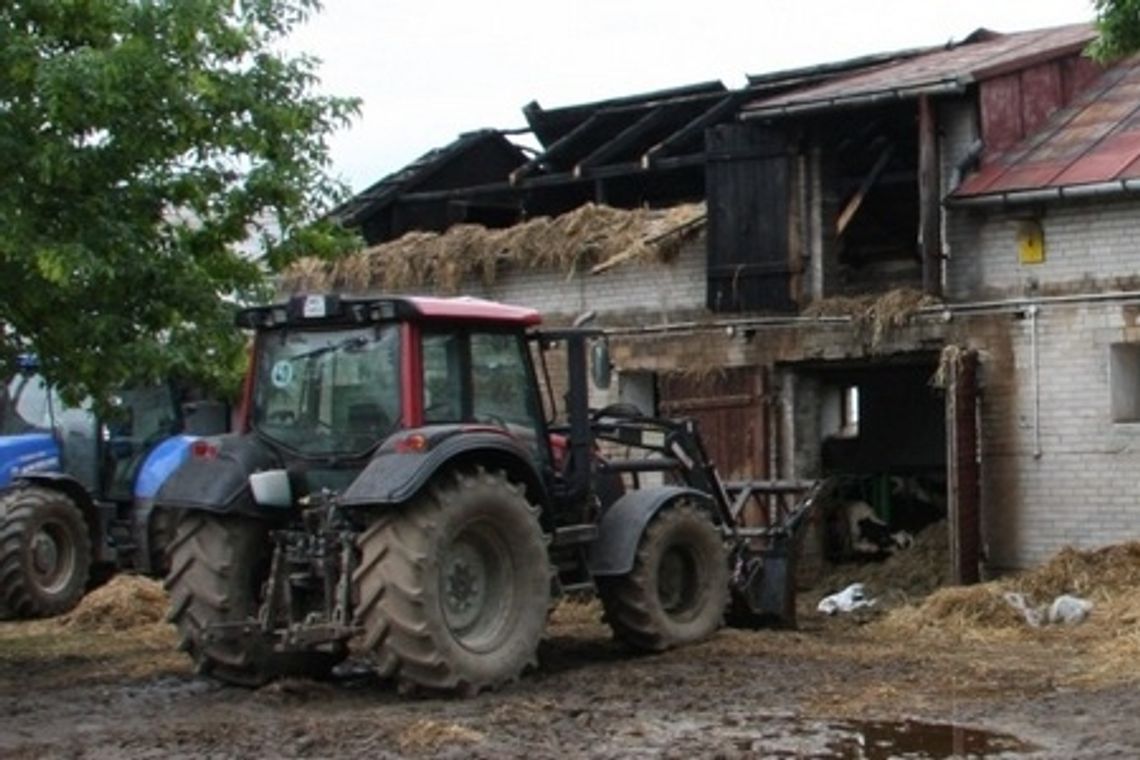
<point>653,292</point>
<point>1085,243</point>
<point>1084,488</point>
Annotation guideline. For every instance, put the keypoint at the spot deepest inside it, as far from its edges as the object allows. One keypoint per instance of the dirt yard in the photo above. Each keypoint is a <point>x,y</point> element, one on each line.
<point>955,672</point>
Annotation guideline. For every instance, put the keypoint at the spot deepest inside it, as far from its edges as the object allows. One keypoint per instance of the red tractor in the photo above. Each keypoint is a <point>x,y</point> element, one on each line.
<point>397,483</point>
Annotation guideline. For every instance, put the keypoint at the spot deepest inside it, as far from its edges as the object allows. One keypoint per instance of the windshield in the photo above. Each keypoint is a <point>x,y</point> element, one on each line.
<point>25,406</point>
<point>323,393</point>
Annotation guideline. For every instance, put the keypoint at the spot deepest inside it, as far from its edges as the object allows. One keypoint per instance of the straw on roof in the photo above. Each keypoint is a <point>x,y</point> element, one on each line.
<point>590,238</point>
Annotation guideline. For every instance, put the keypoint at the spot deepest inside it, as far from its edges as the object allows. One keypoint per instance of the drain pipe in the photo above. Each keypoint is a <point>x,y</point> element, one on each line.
<point>1035,360</point>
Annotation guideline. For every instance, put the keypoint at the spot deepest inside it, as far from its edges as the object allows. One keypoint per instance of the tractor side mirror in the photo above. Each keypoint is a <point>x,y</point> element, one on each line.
<point>602,366</point>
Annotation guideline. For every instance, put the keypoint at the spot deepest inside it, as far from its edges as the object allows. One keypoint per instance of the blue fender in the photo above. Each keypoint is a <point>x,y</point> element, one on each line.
<point>161,463</point>
<point>27,454</point>
<point>621,527</point>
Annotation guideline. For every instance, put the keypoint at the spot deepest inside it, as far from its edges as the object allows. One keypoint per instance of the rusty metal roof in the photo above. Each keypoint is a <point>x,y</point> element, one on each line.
<point>982,55</point>
<point>1094,141</point>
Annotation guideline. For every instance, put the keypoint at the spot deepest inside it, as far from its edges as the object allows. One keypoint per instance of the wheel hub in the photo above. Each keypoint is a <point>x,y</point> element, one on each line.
<point>45,554</point>
<point>465,584</point>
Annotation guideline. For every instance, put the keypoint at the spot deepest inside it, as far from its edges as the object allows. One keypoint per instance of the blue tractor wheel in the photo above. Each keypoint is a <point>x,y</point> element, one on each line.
<point>45,553</point>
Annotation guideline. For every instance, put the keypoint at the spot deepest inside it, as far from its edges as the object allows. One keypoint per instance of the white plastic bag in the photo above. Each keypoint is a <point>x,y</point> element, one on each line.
<point>851,598</point>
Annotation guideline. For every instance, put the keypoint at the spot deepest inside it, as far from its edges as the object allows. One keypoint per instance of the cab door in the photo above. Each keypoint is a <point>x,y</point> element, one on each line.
<point>483,376</point>
<point>141,419</point>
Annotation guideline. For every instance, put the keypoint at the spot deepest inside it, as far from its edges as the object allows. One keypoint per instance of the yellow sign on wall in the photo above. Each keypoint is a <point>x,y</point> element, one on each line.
<point>1030,242</point>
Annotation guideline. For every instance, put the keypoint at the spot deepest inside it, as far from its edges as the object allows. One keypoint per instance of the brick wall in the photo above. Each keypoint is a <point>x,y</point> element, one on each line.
<point>653,292</point>
<point>1083,489</point>
<point>1087,246</point>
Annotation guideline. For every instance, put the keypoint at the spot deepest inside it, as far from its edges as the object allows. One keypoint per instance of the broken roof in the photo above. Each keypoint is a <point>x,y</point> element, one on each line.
<point>660,129</point>
<point>1092,142</point>
<point>430,166</point>
<point>982,55</point>
<point>629,132</point>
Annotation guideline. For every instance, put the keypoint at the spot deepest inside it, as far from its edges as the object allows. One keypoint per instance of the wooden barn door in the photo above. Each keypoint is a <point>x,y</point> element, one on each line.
<point>963,468</point>
<point>728,407</point>
<point>748,187</point>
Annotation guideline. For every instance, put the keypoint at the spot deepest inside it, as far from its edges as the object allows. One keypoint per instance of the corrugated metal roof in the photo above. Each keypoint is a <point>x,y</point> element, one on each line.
<point>983,55</point>
<point>1095,140</point>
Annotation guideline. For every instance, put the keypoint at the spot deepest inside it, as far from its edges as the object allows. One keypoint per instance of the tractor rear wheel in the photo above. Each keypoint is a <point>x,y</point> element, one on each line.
<point>218,567</point>
<point>453,589</point>
<point>45,553</point>
<point>677,591</point>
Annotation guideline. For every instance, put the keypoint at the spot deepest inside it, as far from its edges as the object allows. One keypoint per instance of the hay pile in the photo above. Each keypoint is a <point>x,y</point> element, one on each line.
<point>126,602</point>
<point>875,314</point>
<point>590,238</point>
<point>1110,577</point>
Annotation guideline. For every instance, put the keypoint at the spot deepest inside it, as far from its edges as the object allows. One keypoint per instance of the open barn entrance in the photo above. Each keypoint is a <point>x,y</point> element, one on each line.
<point>876,431</point>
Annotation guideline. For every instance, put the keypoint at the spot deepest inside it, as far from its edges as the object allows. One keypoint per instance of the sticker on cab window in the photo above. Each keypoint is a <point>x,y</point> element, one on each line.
<point>282,374</point>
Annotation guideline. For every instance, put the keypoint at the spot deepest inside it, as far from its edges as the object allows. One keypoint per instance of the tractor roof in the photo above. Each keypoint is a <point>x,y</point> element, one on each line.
<point>332,309</point>
<point>475,309</point>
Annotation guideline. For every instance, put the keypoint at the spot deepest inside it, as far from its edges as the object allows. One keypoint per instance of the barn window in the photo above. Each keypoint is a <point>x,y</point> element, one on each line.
<point>849,412</point>
<point>840,414</point>
<point>1124,382</point>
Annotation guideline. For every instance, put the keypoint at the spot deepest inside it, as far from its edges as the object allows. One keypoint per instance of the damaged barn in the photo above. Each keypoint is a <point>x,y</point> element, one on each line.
<point>852,272</point>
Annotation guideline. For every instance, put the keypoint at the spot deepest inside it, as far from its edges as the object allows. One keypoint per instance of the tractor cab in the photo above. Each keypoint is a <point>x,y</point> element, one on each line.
<point>334,381</point>
<point>28,409</point>
<point>40,433</point>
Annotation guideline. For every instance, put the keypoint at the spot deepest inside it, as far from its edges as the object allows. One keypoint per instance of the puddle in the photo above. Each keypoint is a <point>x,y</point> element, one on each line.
<point>789,736</point>
<point>880,740</point>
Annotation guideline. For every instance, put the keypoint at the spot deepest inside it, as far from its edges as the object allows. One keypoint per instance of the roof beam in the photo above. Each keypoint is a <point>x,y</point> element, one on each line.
<point>856,201</point>
<point>560,145</point>
<point>623,140</point>
<point>713,115</point>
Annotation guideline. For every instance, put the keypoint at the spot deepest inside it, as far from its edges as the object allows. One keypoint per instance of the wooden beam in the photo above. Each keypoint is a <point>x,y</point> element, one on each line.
<point>929,199</point>
<point>558,146</point>
<point>623,140</point>
<point>856,201</point>
<point>712,116</point>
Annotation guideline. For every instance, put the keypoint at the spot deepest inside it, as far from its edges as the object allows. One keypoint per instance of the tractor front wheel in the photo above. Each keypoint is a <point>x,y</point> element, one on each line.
<point>45,553</point>
<point>218,567</point>
<point>453,589</point>
<point>677,591</point>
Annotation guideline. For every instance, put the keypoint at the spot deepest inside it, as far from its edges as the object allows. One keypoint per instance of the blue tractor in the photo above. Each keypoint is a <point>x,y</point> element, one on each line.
<point>77,490</point>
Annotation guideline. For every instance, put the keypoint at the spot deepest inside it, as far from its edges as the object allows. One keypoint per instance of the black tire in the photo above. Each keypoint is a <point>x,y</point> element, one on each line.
<point>453,589</point>
<point>45,553</point>
<point>218,567</point>
<point>677,591</point>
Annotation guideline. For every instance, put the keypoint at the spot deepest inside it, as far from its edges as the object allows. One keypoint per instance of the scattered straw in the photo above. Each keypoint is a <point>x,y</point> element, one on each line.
<point>126,602</point>
<point>427,735</point>
<point>1109,576</point>
<point>590,238</point>
<point>877,313</point>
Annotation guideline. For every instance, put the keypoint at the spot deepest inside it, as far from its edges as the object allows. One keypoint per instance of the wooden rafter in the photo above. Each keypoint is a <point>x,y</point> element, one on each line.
<point>856,201</point>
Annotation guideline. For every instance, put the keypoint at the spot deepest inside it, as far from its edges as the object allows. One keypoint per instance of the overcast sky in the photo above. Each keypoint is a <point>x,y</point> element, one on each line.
<point>428,70</point>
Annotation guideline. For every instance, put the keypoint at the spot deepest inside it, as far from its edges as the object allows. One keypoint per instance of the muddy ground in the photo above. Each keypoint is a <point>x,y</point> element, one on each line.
<point>834,688</point>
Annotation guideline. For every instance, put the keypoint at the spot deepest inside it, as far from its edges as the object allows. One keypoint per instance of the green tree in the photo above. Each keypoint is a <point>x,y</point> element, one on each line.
<point>1118,22</point>
<point>142,143</point>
